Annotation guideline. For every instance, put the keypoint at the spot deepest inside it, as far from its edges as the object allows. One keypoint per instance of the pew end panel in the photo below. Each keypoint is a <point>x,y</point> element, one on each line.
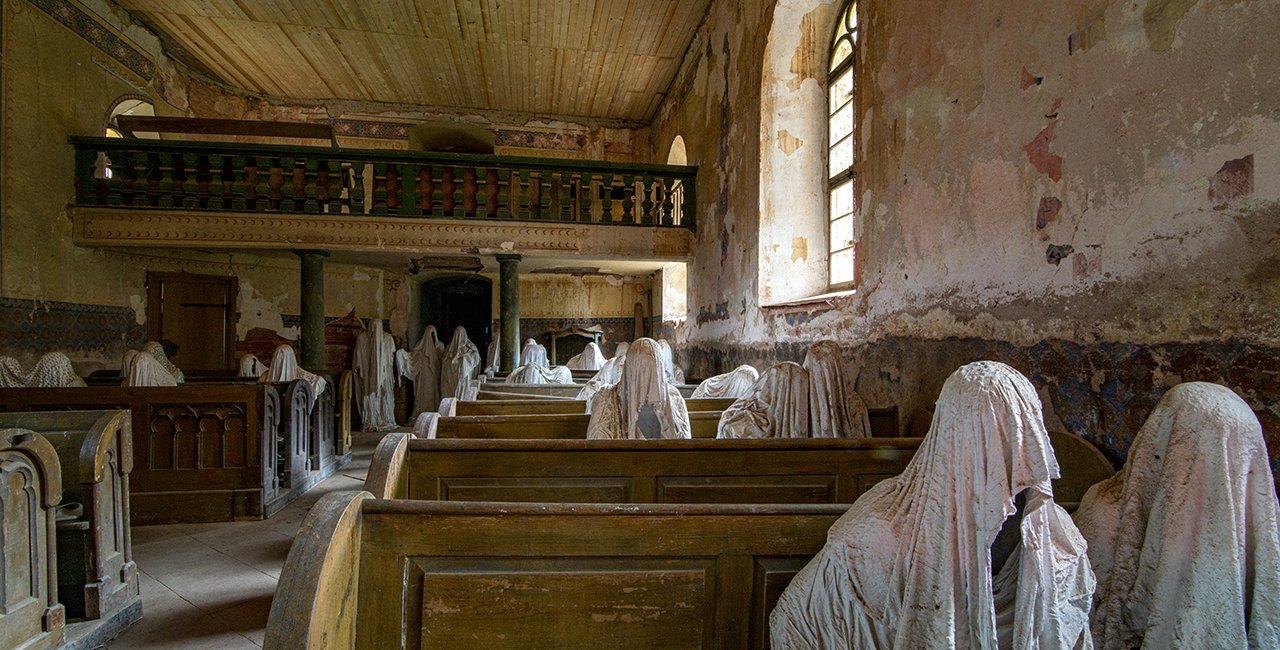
<point>385,478</point>
<point>30,491</point>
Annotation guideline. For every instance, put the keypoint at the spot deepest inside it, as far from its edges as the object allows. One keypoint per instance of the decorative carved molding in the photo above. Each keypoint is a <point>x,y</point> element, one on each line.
<point>186,229</point>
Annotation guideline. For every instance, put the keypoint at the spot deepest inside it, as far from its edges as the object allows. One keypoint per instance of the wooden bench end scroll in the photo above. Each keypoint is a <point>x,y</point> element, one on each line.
<point>449,406</point>
<point>425,426</point>
<point>383,480</point>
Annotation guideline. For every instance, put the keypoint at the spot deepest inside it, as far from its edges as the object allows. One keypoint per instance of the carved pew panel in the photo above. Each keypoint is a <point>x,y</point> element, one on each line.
<point>30,490</point>
<point>550,407</point>
<point>538,427</point>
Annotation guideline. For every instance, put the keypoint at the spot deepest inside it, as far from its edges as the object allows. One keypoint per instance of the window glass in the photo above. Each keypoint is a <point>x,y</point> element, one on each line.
<point>842,134</point>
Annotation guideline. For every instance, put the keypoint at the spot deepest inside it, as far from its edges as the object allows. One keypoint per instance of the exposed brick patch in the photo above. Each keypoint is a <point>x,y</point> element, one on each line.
<point>1233,181</point>
<point>1045,161</point>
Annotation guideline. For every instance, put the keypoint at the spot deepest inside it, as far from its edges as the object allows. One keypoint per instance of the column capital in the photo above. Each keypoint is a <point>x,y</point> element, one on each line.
<point>301,252</point>
<point>509,257</point>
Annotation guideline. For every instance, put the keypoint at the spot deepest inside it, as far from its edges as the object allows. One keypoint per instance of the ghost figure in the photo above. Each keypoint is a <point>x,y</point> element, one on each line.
<point>776,406</point>
<point>459,365</point>
<point>674,374</point>
<point>731,385</point>
<point>835,410</point>
<point>422,367</point>
<point>589,359</point>
<point>492,357</point>
<point>374,370</point>
<point>536,369</point>
<point>643,404</point>
<point>284,367</point>
<point>140,369</point>
<point>911,565</point>
<point>608,375</point>
<point>250,366</point>
<point>53,370</point>
<point>1184,539</point>
<point>156,350</point>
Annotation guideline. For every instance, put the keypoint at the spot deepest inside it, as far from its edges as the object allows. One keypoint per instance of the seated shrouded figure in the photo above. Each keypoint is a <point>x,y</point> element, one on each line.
<point>156,350</point>
<point>422,366</point>
<point>591,358</point>
<point>54,370</point>
<point>536,369</point>
<point>607,376</point>
<point>284,367</point>
<point>733,384</point>
<point>674,374</point>
<point>643,404</point>
<point>911,564</point>
<point>835,410</point>
<point>777,406</point>
<point>140,369</point>
<point>250,366</point>
<point>458,365</point>
<point>1184,538</point>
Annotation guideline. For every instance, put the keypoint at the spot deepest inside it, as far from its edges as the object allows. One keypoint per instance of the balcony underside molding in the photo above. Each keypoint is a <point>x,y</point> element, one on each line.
<point>125,227</point>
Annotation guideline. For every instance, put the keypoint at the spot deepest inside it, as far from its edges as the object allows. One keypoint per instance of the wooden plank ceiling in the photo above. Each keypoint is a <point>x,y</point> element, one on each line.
<point>569,58</point>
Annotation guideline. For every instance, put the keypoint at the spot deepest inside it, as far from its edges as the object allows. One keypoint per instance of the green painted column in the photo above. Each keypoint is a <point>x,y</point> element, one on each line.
<point>509,312</point>
<point>312,340</point>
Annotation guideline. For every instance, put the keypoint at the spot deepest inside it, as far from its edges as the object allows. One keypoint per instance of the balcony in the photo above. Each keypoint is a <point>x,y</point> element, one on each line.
<point>167,193</point>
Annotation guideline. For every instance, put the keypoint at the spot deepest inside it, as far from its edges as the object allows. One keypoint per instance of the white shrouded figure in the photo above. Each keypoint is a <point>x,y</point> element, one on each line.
<point>1184,539</point>
<point>643,404</point>
<point>535,368</point>
<point>53,370</point>
<point>422,366</point>
<point>591,358</point>
<point>156,350</point>
<point>493,357</point>
<point>674,374</point>
<point>910,565</point>
<point>835,410</point>
<point>608,375</point>
<point>459,365</point>
<point>250,366</point>
<point>284,367</point>
<point>374,370</point>
<point>139,369</point>
<point>776,406</point>
<point>731,385</point>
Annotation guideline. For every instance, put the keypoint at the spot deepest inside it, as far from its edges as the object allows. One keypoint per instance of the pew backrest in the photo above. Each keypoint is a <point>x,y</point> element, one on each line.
<point>567,426</point>
<point>32,488</point>
<point>525,406</point>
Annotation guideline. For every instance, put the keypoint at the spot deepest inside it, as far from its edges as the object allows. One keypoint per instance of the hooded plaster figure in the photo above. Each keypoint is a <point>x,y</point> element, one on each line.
<point>459,365</point>
<point>674,374</point>
<point>911,565</point>
<point>733,384</point>
<point>155,349</point>
<point>608,375</point>
<point>12,374</point>
<point>374,370</point>
<point>53,370</point>
<point>776,406</point>
<point>422,367</point>
<point>284,367</point>
<point>492,357</point>
<point>589,359</point>
<point>1184,539</point>
<point>140,369</point>
<point>250,366</point>
<point>835,410</point>
<point>536,369</point>
<point>643,404</point>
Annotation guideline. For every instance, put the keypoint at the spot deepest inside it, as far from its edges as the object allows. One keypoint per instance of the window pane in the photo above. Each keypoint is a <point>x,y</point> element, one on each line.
<point>841,90</point>
<point>841,123</point>
<point>842,200</point>
<point>842,267</point>
<point>842,233</point>
<point>843,50</point>
<point>841,157</point>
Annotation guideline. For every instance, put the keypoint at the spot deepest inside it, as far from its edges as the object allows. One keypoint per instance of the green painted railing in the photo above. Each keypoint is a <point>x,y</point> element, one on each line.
<point>230,177</point>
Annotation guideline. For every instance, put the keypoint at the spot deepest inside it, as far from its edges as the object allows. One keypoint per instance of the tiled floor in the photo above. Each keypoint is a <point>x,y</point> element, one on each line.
<point>210,585</point>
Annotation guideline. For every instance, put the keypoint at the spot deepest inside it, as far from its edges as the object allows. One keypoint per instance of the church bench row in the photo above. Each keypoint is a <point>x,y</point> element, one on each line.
<point>557,390</point>
<point>373,573</point>
<point>519,406</point>
<point>211,452</point>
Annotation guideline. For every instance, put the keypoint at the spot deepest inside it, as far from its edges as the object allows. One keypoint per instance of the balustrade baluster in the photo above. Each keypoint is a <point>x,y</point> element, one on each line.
<point>408,174</point>
<point>227,180</point>
<point>326,189</point>
<point>128,180</point>
<point>667,205</point>
<point>154,174</point>
<point>628,199</point>
<point>251,183</point>
<point>427,190</point>
<point>586,191</point>
<point>491,193</point>
<point>184,183</point>
<point>564,187</point>
<point>392,184</point>
<point>469,189</point>
<point>606,198</point>
<point>298,184</point>
<point>646,205</point>
<point>448,187</point>
<point>204,176</point>
<point>275,183</point>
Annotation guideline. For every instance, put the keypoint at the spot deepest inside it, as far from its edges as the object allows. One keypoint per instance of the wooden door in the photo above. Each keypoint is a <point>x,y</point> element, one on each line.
<point>197,312</point>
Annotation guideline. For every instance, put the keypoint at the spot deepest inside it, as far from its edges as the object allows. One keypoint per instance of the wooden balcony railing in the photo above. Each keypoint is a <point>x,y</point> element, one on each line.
<point>232,177</point>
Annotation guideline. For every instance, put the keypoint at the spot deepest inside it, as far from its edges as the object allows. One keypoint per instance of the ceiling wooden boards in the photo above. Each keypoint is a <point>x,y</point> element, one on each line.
<point>610,59</point>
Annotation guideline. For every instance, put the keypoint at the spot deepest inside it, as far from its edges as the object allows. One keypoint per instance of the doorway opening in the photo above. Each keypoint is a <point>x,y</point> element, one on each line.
<point>197,313</point>
<point>459,300</point>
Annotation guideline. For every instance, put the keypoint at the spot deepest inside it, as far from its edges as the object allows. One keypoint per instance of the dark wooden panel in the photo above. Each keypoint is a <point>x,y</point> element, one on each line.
<point>538,489</point>
<point>748,489</point>
<point>770,577</point>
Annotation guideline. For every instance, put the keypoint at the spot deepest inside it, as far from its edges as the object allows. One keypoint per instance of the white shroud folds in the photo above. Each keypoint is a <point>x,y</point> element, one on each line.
<point>375,377</point>
<point>777,406</point>
<point>731,385</point>
<point>536,369</point>
<point>591,358</point>
<point>459,365</point>
<point>643,404</point>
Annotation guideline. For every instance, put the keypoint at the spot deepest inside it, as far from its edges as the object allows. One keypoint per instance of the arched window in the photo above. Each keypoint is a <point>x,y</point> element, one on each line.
<point>842,140</point>
<point>129,105</point>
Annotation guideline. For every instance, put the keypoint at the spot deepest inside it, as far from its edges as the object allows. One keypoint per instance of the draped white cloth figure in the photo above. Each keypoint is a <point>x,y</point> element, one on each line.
<point>53,370</point>
<point>492,357</point>
<point>284,367</point>
<point>1184,539</point>
<point>608,375</point>
<point>535,368</point>
<point>459,365</point>
<point>591,358</point>
<point>909,566</point>
<point>835,410</point>
<point>674,374</point>
<point>12,374</point>
<point>140,369</point>
<point>374,370</point>
<point>776,406</point>
<point>250,366</point>
<point>156,350</point>
<point>733,384</point>
<point>422,367</point>
<point>643,404</point>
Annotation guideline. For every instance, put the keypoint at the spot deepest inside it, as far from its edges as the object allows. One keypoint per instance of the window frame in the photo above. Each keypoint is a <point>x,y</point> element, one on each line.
<point>846,31</point>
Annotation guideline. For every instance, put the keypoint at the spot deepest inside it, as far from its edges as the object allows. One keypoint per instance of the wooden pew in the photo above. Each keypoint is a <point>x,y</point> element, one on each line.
<point>796,470</point>
<point>372,573</point>
<point>202,452</point>
<point>31,617</point>
<point>538,427</point>
<point>556,390</point>
<point>97,578</point>
<point>450,406</point>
